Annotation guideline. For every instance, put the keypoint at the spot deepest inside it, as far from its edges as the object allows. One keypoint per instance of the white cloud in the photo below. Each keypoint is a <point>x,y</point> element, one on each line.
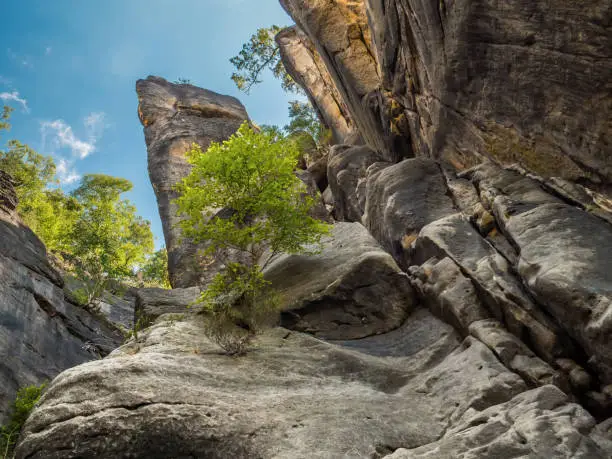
<point>48,50</point>
<point>66,172</point>
<point>63,137</point>
<point>58,135</point>
<point>14,96</point>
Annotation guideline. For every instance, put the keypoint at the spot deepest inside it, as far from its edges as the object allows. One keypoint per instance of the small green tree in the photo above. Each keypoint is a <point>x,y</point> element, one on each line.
<point>26,399</point>
<point>108,240</point>
<point>265,212</point>
<point>154,270</point>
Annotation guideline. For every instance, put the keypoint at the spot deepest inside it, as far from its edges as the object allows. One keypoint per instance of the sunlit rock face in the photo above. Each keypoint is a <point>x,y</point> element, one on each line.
<point>526,82</point>
<point>174,117</point>
<point>306,67</point>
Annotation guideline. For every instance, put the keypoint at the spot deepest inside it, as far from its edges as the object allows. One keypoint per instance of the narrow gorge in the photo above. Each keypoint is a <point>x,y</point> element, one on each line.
<point>461,305</point>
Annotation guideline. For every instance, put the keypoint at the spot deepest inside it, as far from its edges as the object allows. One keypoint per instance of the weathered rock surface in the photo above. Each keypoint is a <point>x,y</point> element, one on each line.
<point>402,199</point>
<point>524,83</point>
<point>174,117</point>
<point>565,258</point>
<point>41,334</point>
<point>340,34</point>
<point>305,66</point>
<point>347,171</point>
<point>351,289</point>
<point>154,302</point>
<point>538,423</point>
<point>297,397</point>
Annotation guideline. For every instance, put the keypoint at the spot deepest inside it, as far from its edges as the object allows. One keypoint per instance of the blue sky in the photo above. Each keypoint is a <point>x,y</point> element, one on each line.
<point>69,69</point>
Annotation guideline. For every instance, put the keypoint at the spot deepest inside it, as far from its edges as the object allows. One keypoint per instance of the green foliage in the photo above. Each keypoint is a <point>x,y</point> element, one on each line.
<point>93,228</point>
<point>182,81</point>
<point>261,53</point>
<point>303,118</point>
<point>265,212</point>
<point>46,211</point>
<point>154,271</point>
<point>108,240</point>
<point>24,403</point>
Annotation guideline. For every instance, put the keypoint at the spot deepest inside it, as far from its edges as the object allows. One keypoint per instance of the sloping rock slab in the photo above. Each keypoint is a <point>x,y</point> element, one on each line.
<point>351,289</point>
<point>171,394</point>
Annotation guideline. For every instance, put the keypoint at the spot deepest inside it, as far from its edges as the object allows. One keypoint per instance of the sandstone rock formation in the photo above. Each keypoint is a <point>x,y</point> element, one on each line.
<point>41,333</point>
<point>525,83</point>
<point>410,393</point>
<point>303,63</point>
<point>174,117</point>
<point>336,294</point>
<point>474,320</point>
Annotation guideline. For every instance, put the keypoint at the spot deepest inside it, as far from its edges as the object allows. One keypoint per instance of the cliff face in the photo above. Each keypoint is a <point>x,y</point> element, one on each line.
<point>526,82</point>
<point>174,117</point>
<point>41,332</point>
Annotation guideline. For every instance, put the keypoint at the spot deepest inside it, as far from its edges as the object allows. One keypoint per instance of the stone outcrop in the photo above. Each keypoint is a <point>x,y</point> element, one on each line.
<point>305,66</point>
<point>174,117</point>
<point>298,397</point>
<point>41,333</point>
<point>525,83</point>
<point>336,293</point>
<point>154,302</point>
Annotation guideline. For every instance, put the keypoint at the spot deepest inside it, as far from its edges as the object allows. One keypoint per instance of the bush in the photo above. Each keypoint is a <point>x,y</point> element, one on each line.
<point>264,212</point>
<point>26,399</point>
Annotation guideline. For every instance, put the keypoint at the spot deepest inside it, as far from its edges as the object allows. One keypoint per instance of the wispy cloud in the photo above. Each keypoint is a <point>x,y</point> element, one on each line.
<point>63,136</point>
<point>48,50</point>
<point>66,172</point>
<point>14,97</point>
<point>59,137</point>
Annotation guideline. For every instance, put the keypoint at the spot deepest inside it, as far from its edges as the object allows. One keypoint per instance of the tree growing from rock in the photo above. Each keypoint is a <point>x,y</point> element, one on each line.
<point>244,200</point>
<point>261,54</point>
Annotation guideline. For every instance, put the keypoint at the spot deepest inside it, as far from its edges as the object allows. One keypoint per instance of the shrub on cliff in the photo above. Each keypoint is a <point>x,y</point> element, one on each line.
<point>24,403</point>
<point>244,200</point>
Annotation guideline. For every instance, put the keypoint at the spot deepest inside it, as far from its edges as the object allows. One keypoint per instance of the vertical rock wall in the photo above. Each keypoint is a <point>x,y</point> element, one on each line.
<point>525,82</point>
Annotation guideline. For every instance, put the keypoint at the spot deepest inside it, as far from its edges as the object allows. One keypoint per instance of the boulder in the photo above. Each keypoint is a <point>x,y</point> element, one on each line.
<point>337,293</point>
<point>174,117</point>
<point>154,302</point>
<point>347,168</point>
